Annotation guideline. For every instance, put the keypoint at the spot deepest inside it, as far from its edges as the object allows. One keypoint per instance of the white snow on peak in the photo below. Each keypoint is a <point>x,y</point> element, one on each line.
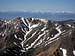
<point>44,20</point>
<point>35,25</point>
<point>5,21</point>
<point>64,51</point>
<point>23,21</point>
<point>32,19</point>
<point>29,24</point>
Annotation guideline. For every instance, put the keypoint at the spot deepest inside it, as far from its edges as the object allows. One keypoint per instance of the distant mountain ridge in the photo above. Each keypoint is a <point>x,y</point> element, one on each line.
<point>47,15</point>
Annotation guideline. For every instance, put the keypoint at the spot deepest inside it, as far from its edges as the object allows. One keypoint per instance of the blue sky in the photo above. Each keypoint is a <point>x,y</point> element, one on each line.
<point>37,5</point>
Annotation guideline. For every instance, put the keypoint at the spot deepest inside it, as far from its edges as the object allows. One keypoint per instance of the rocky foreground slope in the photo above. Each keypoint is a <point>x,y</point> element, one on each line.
<point>37,37</point>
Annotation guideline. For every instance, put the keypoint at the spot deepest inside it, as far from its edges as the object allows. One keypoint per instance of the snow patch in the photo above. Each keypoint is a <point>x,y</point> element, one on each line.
<point>73,27</point>
<point>3,34</point>
<point>56,24</point>
<point>20,39</point>
<point>15,36</point>
<point>32,19</point>
<point>15,43</point>
<point>69,25</point>
<point>44,20</point>
<point>23,51</point>
<point>64,51</point>
<point>74,52</point>
<point>23,21</point>
<point>22,30</point>
<point>43,29</point>
<point>33,26</point>
<point>40,41</point>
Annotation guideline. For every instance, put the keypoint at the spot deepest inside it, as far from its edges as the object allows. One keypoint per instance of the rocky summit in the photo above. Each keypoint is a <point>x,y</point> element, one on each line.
<point>37,37</point>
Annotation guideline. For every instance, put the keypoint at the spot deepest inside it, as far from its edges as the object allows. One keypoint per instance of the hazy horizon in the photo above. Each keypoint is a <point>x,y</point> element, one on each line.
<point>37,5</point>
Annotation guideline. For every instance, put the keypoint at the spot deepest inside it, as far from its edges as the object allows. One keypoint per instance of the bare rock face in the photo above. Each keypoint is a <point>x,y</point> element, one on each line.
<point>36,37</point>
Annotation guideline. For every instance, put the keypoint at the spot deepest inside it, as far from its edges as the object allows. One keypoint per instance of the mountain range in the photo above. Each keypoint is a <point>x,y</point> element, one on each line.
<point>37,37</point>
<point>45,15</point>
